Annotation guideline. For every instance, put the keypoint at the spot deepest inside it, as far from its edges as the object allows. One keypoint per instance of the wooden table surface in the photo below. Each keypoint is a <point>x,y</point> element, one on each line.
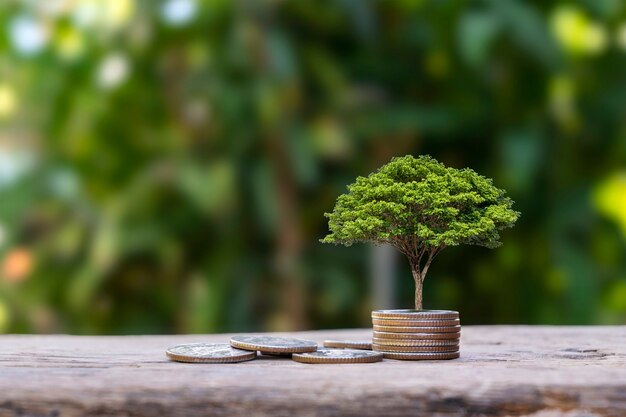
<point>538,371</point>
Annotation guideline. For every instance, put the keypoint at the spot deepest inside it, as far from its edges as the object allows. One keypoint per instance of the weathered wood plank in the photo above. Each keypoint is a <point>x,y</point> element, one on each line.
<point>535,371</point>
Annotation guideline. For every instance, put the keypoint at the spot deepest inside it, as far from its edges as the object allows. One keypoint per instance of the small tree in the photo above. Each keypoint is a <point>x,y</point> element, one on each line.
<point>420,207</point>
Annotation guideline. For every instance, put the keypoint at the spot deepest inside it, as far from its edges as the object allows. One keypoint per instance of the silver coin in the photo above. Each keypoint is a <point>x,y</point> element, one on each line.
<point>415,314</point>
<point>277,355</point>
<point>208,353</point>
<point>348,344</point>
<point>417,323</point>
<point>273,344</point>
<point>421,356</point>
<point>338,356</point>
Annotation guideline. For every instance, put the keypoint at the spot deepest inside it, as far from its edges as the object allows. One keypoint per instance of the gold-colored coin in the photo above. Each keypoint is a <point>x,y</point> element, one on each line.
<point>417,323</point>
<point>273,344</point>
<point>421,342</point>
<point>416,336</point>
<point>415,329</point>
<point>334,356</point>
<point>421,356</point>
<point>349,344</point>
<point>415,314</point>
<point>414,349</point>
<point>208,353</point>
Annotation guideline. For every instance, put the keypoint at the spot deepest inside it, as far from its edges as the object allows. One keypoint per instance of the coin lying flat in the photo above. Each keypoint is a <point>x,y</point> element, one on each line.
<point>273,344</point>
<point>338,356</point>
<point>208,353</point>
<point>284,355</point>
<point>417,323</point>
<point>416,336</point>
<point>415,329</point>
<point>349,344</point>
<point>414,349</point>
<point>403,342</point>
<point>421,356</point>
<point>415,314</point>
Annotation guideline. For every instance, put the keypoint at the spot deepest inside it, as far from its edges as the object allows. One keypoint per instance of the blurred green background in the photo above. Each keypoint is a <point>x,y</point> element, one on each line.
<point>165,165</point>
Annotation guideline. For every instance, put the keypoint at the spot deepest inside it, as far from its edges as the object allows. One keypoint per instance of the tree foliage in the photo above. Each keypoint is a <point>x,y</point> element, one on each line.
<point>420,207</point>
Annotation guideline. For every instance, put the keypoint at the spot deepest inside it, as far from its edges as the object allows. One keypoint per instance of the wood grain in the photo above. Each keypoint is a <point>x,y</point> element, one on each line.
<point>537,371</point>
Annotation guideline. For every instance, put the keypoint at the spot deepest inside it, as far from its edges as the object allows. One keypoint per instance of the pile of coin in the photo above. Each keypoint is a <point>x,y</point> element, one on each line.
<point>398,334</point>
<point>245,347</point>
<point>416,334</point>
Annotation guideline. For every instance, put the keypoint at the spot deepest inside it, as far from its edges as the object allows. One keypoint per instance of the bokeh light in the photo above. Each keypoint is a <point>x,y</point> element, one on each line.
<point>165,165</point>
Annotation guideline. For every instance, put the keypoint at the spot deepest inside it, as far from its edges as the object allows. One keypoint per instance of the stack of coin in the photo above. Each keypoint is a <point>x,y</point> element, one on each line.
<point>416,334</point>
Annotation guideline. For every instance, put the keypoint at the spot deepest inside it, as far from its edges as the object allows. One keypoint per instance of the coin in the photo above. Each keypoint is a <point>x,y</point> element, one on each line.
<point>415,329</point>
<point>349,344</point>
<point>208,353</point>
<point>417,323</point>
<point>421,356</point>
<point>276,354</point>
<point>415,314</point>
<point>404,342</point>
<point>416,336</point>
<point>428,349</point>
<point>273,344</point>
<point>338,356</point>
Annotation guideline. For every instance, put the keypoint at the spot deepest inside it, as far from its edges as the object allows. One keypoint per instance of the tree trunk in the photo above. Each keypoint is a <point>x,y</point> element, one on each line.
<point>419,280</point>
<point>292,311</point>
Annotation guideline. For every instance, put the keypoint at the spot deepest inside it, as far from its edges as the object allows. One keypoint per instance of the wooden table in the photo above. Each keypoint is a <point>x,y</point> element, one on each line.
<point>534,371</point>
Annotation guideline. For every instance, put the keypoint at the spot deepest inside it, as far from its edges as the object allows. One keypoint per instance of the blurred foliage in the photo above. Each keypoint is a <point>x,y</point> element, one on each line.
<point>165,165</point>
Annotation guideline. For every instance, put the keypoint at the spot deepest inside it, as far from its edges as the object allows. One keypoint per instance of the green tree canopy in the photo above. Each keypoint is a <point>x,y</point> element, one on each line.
<point>420,206</point>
